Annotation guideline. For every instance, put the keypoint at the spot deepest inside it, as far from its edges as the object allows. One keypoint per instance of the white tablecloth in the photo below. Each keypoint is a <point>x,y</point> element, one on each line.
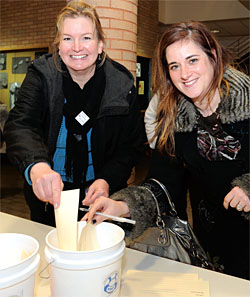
<point>221,285</point>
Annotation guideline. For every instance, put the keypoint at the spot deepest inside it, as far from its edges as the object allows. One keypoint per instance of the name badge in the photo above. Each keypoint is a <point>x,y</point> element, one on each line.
<point>82,118</point>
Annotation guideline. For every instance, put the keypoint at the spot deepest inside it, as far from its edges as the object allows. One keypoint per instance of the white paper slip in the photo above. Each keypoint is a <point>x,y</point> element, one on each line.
<point>66,220</point>
<point>88,240</point>
<point>163,284</point>
<point>138,274</point>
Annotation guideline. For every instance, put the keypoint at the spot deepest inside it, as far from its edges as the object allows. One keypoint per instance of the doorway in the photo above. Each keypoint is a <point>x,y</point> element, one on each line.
<point>143,81</point>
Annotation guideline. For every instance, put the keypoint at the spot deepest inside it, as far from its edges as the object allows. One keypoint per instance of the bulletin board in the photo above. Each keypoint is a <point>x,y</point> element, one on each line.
<point>13,68</point>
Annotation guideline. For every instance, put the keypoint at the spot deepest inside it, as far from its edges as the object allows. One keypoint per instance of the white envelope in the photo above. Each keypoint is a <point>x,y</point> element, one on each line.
<point>66,220</point>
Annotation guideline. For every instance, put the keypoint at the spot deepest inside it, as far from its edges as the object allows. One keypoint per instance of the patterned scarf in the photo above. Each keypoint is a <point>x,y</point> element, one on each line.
<point>214,143</point>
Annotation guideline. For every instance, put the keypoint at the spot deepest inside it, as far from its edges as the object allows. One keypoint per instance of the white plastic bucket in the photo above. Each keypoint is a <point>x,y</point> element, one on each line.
<point>19,261</point>
<point>95,273</point>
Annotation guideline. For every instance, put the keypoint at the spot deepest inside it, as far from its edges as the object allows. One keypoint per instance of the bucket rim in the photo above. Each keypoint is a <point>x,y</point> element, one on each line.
<point>35,251</point>
<point>82,252</point>
<point>83,263</point>
<point>22,274</point>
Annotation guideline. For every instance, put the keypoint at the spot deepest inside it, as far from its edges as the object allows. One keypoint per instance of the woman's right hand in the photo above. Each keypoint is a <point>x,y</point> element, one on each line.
<point>46,183</point>
<point>238,199</point>
<point>107,206</point>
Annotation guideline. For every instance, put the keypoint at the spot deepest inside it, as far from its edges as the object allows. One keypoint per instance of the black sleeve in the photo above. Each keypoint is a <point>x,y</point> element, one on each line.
<point>128,150</point>
<point>24,128</point>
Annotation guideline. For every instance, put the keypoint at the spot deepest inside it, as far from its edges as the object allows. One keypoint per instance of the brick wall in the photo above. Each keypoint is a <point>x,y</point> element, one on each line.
<point>119,22</point>
<point>27,24</point>
<point>147,34</point>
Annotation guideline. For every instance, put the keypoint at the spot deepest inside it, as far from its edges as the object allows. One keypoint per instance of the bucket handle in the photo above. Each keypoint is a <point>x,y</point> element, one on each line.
<point>41,272</point>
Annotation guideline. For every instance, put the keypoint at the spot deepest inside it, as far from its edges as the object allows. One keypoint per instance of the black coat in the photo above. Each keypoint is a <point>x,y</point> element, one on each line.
<point>223,233</point>
<point>33,125</point>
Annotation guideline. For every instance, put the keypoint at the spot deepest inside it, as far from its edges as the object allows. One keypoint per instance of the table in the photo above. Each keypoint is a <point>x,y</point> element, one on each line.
<point>221,285</point>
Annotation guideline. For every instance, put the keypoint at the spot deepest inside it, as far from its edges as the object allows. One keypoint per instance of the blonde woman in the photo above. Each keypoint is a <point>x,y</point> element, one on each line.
<point>76,123</point>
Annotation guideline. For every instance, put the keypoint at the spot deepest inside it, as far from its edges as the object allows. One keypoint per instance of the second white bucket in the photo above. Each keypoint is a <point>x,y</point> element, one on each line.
<point>87,273</point>
<point>19,261</point>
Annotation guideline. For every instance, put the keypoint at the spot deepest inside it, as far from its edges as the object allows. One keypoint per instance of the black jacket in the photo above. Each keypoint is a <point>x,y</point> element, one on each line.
<point>221,231</point>
<point>33,125</point>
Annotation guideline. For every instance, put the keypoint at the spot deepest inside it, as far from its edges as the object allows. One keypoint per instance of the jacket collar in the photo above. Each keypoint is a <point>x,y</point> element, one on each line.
<point>233,109</point>
<point>119,82</point>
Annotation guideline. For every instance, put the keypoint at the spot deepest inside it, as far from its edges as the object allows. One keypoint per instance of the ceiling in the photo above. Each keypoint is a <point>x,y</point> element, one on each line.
<point>230,17</point>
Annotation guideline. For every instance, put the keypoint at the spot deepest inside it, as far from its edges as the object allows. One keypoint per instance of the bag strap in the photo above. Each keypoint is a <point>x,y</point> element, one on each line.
<point>149,186</point>
<point>159,221</point>
<point>171,203</point>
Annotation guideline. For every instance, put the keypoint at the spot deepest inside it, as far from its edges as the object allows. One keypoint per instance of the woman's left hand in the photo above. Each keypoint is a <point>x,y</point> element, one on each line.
<point>98,188</point>
<point>238,199</point>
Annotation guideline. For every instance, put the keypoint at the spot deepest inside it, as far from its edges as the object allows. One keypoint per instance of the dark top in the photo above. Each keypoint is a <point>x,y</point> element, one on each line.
<point>33,125</point>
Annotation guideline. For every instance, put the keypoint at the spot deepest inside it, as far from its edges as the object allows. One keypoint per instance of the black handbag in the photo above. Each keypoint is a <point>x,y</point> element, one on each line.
<point>172,238</point>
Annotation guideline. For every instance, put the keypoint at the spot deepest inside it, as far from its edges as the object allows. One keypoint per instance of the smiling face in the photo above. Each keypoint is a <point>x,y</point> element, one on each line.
<point>79,46</point>
<point>190,69</point>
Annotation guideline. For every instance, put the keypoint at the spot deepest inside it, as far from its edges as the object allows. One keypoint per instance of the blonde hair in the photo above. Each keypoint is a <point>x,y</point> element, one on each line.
<point>169,95</point>
<point>73,9</point>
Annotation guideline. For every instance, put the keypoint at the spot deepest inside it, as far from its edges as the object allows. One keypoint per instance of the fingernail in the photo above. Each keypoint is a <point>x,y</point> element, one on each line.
<point>86,219</point>
<point>94,221</point>
<point>56,205</point>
